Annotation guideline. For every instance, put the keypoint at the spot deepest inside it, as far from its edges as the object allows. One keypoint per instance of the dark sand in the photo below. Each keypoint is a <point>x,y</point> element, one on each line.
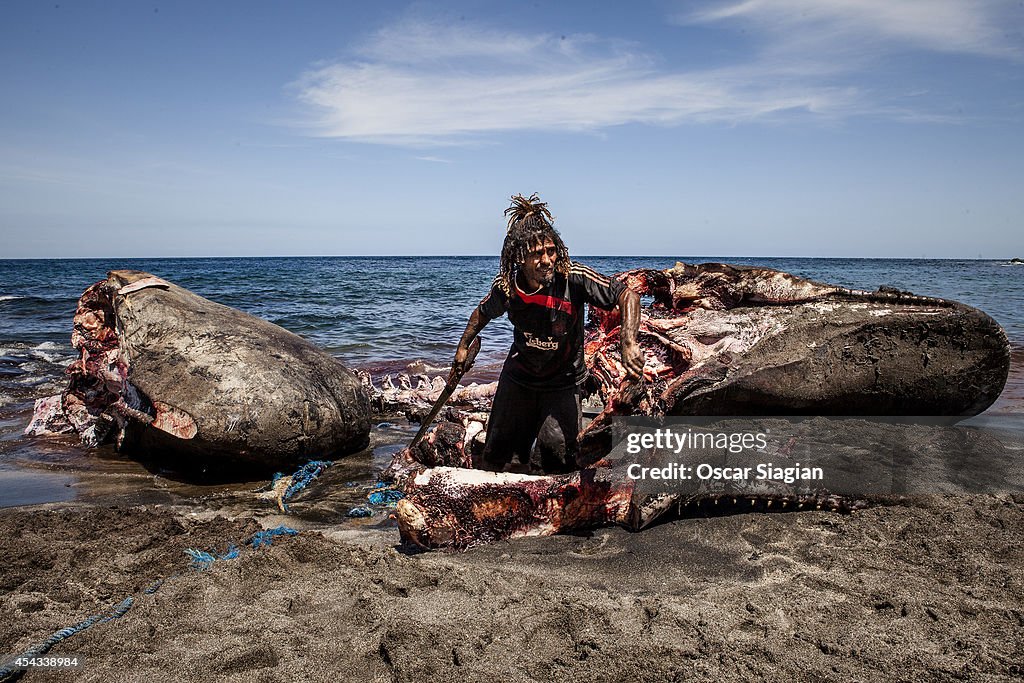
<point>928,591</point>
<point>932,590</point>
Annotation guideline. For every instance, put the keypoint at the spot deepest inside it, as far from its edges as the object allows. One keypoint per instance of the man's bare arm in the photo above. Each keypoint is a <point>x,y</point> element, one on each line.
<point>477,322</point>
<point>632,356</point>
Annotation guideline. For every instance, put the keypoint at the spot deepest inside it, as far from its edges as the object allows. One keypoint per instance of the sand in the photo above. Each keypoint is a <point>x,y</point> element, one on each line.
<point>932,590</point>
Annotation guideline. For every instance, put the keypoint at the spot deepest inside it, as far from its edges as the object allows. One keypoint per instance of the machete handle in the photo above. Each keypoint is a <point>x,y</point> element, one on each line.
<point>471,352</point>
<point>474,348</point>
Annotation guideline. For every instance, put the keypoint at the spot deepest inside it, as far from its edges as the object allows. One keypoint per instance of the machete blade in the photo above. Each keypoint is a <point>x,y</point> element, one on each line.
<point>449,387</point>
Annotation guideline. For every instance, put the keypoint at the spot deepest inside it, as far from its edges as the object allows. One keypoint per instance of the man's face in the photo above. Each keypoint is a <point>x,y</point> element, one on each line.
<point>539,266</point>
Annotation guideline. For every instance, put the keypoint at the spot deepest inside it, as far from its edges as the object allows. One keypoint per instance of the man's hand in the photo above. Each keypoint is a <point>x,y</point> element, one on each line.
<point>465,354</point>
<point>468,346</point>
<point>459,364</point>
<point>632,360</point>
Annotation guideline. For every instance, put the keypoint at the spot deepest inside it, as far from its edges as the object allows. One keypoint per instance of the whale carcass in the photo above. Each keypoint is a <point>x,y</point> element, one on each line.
<point>718,340</point>
<point>727,340</point>
<point>165,372</point>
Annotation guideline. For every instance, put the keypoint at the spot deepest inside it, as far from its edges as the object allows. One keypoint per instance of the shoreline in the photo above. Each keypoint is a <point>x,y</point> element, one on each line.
<point>492,257</point>
<point>60,463</point>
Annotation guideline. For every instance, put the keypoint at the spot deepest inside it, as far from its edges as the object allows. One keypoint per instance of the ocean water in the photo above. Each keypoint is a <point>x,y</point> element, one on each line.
<point>379,313</point>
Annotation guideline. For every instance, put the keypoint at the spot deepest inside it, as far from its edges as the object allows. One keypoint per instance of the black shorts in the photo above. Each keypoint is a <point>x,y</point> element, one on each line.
<point>520,416</point>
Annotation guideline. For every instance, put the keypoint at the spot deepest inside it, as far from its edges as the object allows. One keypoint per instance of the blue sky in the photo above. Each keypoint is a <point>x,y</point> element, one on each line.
<point>866,128</point>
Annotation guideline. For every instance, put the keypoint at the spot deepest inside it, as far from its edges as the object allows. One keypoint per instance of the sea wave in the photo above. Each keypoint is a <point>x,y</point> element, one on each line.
<point>23,299</point>
<point>51,353</point>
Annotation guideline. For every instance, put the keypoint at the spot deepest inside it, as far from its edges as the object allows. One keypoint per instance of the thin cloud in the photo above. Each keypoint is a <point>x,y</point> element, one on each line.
<point>31,175</point>
<point>979,27</point>
<point>422,84</point>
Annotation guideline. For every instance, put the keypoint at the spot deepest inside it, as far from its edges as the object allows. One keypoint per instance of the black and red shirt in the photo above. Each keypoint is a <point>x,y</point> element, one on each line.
<point>547,345</point>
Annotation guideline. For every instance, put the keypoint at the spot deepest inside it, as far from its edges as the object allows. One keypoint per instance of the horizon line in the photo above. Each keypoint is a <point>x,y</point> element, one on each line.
<point>439,256</point>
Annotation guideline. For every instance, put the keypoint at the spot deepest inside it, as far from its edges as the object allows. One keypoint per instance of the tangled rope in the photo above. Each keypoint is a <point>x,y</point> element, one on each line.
<point>201,560</point>
<point>282,487</point>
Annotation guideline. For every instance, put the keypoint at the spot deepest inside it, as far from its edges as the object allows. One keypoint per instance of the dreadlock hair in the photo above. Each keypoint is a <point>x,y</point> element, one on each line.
<point>529,224</point>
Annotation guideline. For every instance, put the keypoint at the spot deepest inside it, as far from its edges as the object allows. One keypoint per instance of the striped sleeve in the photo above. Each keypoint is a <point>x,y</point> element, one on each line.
<point>598,290</point>
<point>495,303</point>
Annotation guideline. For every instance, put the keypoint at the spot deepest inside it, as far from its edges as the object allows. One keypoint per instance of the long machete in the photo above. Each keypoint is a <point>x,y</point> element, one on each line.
<point>449,387</point>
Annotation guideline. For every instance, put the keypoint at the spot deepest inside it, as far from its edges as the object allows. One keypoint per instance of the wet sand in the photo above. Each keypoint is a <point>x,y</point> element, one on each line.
<point>932,590</point>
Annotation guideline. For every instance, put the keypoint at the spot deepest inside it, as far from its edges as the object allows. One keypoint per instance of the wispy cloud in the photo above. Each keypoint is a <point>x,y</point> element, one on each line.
<point>421,83</point>
<point>981,27</point>
<point>32,175</point>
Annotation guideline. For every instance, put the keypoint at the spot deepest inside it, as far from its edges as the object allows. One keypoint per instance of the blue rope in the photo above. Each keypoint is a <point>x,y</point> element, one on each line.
<point>386,497</point>
<point>201,560</point>
<point>381,495</point>
<point>266,537</point>
<point>305,474</point>
<point>301,479</point>
<point>10,672</point>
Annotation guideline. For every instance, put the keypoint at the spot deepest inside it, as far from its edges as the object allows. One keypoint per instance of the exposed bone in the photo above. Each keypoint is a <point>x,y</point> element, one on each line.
<point>386,397</point>
<point>460,508</point>
<point>48,418</point>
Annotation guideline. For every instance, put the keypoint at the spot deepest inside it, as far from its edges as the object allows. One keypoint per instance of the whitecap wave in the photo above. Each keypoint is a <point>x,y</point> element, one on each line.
<point>51,352</point>
<point>14,348</point>
<point>10,297</point>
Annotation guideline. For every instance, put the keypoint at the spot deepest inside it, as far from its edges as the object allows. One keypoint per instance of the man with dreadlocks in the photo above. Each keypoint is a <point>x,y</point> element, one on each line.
<point>543,293</point>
